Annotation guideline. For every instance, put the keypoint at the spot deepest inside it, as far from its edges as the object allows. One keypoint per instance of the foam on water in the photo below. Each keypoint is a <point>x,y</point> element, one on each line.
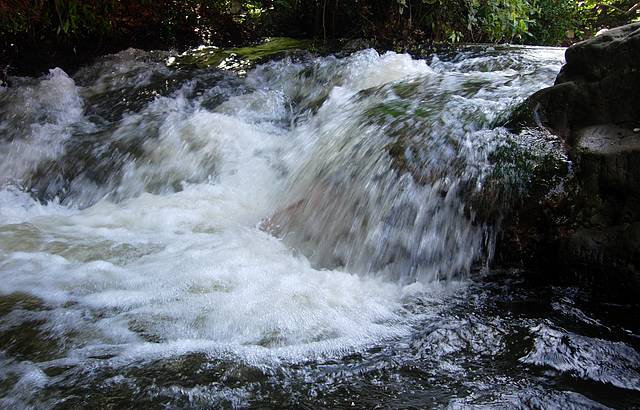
<point>585,357</point>
<point>35,120</point>
<point>178,262</point>
<point>148,232</point>
<point>188,269</point>
<point>169,250</point>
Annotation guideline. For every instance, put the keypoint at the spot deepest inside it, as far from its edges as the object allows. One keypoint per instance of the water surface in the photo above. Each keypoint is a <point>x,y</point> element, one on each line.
<point>304,235</point>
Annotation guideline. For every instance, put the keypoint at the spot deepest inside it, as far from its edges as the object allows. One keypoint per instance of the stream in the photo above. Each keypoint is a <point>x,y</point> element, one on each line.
<point>306,234</point>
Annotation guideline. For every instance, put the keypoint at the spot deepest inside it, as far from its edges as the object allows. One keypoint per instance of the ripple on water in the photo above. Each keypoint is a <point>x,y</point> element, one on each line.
<point>140,277</point>
<point>594,359</point>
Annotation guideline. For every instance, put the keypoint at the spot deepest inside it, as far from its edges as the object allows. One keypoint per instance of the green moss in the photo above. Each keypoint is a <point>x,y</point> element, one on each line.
<point>423,112</point>
<point>406,90</point>
<point>529,166</point>
<point>240,58</point>
<point>397,152</point>
<point>272,47</point>
<point>518,118</point>
<point>382,112</point>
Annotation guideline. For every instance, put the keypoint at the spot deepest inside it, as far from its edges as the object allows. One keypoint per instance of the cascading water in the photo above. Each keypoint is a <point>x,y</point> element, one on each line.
<point>195,238</point>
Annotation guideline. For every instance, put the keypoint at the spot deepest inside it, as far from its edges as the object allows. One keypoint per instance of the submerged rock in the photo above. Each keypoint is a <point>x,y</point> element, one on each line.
<point>594,107</point>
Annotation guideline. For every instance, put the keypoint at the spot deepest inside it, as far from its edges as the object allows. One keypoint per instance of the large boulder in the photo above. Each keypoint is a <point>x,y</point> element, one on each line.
<point>599,84</point>
<point>593,235</point>
<point>613,52</point>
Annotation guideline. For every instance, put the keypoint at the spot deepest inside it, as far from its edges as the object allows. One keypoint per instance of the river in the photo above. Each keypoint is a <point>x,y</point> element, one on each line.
<point>302,234</point>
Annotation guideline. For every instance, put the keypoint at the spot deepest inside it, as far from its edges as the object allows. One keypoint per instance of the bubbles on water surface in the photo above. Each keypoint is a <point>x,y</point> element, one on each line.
<point>139,273</point>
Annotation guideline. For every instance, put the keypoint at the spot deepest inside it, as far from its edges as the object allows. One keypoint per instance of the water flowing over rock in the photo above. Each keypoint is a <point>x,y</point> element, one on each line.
<point>298,234</point>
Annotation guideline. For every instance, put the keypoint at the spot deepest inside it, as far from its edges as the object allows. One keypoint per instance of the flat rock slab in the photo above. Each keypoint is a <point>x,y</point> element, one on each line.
<point>607,139</point>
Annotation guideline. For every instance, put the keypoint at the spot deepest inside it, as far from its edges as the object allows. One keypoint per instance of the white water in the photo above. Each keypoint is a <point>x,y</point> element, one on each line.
<point>148,242</point>
<point>187,270</point>
<point>190,269</point>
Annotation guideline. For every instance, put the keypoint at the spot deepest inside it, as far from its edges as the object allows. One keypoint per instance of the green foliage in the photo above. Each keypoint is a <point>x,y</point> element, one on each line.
<point>594,15</point>
<point>62,17</point>
<point>224,22</point>
<point>78,18</point>
<point>565,21</point>
<point>476,20</point>
<point>553,21</point>
<point>550,22</point>
<point>505,20</point>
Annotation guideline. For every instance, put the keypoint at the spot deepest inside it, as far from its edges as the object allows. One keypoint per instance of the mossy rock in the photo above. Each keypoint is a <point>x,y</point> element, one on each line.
<point>531,163</point>
<point>519,118</point>
<point>527,169</point>
<point>240,58</point>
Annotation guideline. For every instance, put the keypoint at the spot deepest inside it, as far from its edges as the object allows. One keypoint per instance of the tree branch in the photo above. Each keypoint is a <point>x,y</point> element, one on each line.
<point>619,10</point>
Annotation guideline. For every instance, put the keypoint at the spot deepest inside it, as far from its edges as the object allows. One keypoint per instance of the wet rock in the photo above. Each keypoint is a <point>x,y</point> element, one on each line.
<point>4,76</point>
<point>594,107</point>
<point>607,237</point>
<point>357,44</point>
<point>609,159</point>
<point>599,84</point>
<point>614,52</point>
<point>242,58</point>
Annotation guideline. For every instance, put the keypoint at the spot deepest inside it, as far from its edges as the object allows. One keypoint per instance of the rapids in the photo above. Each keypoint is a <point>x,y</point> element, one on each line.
<point>303,234</point>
